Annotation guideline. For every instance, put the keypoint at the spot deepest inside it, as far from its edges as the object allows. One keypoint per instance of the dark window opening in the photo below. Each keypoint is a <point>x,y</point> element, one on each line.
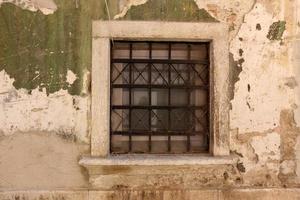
<point>159,97</point>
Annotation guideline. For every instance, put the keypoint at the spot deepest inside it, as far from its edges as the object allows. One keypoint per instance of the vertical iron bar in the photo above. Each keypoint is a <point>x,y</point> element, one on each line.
<point>169,98</point>
<point>149,94</point>
<point>189,100</point>
<point>208,95</point>
<point>130,98</point>
<point>111,94</point>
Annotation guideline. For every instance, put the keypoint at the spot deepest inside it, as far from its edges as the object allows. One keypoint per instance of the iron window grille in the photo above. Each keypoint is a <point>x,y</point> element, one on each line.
<point>159,97</point>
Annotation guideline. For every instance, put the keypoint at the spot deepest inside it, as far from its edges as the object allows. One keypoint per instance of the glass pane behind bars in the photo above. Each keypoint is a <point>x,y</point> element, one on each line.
<point>159,97</point>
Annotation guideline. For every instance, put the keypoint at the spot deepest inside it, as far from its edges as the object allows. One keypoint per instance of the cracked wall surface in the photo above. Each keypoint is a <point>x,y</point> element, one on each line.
<point>45,64</point>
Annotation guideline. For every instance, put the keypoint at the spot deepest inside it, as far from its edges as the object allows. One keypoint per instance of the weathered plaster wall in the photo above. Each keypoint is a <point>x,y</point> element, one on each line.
<point>45,61</point>
<point>41,160</point>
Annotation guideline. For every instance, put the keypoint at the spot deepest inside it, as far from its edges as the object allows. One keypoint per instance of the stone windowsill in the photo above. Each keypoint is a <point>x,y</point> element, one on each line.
<point>157,160</point>
<point>155,171</point>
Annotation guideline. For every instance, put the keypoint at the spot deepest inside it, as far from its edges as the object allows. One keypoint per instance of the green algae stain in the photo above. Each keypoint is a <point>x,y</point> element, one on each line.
<point>169,10</point>
<point>37,50</point>
<point>276,30</point>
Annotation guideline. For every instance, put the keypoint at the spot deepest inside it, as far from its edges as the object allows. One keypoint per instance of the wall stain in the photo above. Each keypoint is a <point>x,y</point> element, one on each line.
<point>37,50</point>
<point>234,72</point>
<point>291,82</point>
<point>169,10</point>
<point>240,166</point>
<point>116,169</point>
<point>276,30</point>
<point>258,27</point>
<point>288,139</point>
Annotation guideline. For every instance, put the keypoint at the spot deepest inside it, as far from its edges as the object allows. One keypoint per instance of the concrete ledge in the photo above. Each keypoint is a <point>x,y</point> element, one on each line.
<point>157,160</point>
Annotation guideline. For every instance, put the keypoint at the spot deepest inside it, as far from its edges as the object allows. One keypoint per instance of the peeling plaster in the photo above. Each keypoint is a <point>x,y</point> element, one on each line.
<point>261,159</point>
<point>267,147</point>
<point>231,12</point>
<point>276,30</point>
<point>126,5</point>
<point>259,108</point>
<point>47,7</point>
<point>59,112</point>
<point>71,77</point>
<point>175,10</point>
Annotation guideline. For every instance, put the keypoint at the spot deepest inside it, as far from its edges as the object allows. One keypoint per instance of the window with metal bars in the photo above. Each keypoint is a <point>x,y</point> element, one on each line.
<point>159,97</point>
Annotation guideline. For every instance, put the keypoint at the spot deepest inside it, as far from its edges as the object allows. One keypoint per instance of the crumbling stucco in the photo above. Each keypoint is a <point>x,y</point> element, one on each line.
<point>38,60</point>
<point>125,5</point>
<point>175,10</point>
<point>266,132</point>
<point>276,30</point>
<point>45,6</point>
<point>231,12</point>
<point>71,77</point>
<point>262,87</point>
<point>267,147</point>
<point>37,111</point>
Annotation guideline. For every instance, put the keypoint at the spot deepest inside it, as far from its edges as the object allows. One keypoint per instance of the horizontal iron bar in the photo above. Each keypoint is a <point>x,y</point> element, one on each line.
<point>160,42</point>
<point>157,107</point>
<point>159,133</point>
<point>202,150</point>
<point>162,61</point>
<point>203,87</point>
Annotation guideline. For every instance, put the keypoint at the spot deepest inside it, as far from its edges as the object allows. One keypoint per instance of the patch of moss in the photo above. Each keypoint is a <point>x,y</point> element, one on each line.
<point>276,30</point>
<point>169,10</point>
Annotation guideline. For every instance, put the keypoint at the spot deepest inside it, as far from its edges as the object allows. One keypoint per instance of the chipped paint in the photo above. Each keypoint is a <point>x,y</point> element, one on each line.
<point>175,10</point>
<point>276,30</point>
<point>267,147</point>
<point>59,112</point>
<point>126,6</point>
<point>269,69</point>
<point>231,12</point>
<point>47,7</point>
<point>71,77</point>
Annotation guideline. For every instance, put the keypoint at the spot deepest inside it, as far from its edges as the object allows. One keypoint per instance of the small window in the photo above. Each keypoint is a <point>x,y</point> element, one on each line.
<point>159,97</point>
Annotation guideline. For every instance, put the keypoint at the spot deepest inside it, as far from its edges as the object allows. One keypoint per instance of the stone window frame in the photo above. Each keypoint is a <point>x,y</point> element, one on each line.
<point>215,33</point>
